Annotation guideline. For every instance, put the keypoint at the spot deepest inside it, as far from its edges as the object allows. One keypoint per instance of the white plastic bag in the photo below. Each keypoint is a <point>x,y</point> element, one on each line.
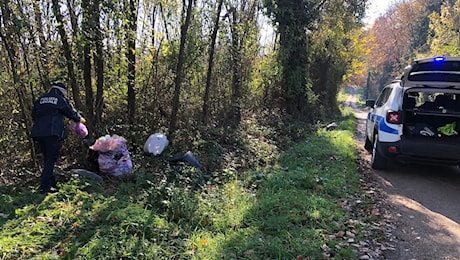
<point>156,144</point>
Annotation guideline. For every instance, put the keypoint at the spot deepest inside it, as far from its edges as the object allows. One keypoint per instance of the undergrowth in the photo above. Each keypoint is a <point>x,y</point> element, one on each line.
<point>266,198</point>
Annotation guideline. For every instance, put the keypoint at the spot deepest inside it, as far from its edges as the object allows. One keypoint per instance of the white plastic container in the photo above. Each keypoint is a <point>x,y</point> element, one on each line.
<point>156,144</point>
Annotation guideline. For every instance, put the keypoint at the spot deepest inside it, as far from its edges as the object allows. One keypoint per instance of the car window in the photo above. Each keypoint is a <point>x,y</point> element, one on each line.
<point>383,97</point>
<point>431,101</point>
<point>443,71</point>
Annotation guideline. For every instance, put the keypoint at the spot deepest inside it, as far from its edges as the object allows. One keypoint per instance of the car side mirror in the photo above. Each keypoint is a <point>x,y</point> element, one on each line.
<point>370,102</point>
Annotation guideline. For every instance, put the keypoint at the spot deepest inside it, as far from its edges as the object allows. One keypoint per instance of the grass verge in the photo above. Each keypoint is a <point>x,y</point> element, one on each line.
<point>307,205</point>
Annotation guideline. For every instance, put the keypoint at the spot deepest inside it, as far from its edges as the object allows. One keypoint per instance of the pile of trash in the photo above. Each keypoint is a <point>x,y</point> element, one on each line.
<point>114,158</point>
<point>156,144</point>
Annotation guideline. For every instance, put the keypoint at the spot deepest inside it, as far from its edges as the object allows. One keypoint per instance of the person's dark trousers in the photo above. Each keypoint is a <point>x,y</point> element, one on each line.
<point>51,149</point>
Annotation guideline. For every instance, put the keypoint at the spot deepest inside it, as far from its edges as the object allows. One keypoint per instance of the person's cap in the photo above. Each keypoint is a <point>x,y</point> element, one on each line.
<point>60,84</point>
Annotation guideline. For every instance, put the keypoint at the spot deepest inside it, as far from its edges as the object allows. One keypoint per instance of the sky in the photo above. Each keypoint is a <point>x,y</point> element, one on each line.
<point>376,8</point>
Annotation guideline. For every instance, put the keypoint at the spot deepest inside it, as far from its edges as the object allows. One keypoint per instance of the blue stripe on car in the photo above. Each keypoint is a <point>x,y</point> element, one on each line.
<point>384,127</point>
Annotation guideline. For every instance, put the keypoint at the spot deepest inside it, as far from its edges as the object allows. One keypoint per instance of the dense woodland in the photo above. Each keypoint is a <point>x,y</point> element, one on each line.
<point>201,71</point>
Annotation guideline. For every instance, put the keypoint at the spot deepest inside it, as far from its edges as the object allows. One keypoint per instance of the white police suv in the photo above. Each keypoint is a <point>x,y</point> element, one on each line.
<point>417,117</point>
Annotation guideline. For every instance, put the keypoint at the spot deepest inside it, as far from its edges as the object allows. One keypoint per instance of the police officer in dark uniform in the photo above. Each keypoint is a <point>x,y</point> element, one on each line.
<point>49,130</point>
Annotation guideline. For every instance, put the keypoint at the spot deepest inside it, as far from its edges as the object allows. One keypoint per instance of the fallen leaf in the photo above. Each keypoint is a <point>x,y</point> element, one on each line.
<point>203,242</point>
<point>340,234</point>
<point>350,234</point>
<point>325,248</point>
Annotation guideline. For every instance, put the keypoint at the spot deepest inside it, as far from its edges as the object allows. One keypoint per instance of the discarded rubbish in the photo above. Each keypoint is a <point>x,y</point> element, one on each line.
<point>186,157</point>
<point>332,126</point>
<point>78,128</point>
<point>91,156</point>
<point>113,156</point>
<point>87,174</point>
<point>156,144</point>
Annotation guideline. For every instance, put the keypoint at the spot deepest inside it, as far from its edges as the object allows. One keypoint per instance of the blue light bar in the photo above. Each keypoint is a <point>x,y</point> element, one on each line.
<point>439,59</point>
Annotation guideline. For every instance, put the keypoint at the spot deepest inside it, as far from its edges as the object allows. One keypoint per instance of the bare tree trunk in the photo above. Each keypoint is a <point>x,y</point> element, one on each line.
<point>235,116</point>
<point>153,75</point>
<point>73,17</point>
<point>99,64</point>
<point>74,11</point>
<point>131,56</point>
<point>205,112</point>
<point>87,30</point>
<point>68,54</point>
<point>43,49</point>
<point>180,69</point>
<point>26,46</point>
<point>11,43</point>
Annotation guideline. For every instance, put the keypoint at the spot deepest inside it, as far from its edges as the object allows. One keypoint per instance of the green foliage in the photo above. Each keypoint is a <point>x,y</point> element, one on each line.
<point>264,89</point>
<point>290,207</point>
<point>331,57</point>
<point>291,24</point>
<point>171,210</point>
<point>444,38</point>
<point>312,35</point>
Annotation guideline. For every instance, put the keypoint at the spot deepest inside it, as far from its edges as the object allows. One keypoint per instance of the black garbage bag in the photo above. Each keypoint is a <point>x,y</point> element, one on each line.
<point>186,157</point>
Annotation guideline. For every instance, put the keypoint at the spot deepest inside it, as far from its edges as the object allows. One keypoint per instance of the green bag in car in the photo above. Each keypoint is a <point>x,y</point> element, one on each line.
<point>448,129</point>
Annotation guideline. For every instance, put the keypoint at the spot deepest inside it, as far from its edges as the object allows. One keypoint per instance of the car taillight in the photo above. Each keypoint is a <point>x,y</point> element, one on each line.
<point>392,149</point>
<point>393,117</point>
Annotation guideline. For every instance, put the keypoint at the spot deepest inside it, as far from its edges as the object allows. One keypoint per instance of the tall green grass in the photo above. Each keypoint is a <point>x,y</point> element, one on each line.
<point>291,209</point>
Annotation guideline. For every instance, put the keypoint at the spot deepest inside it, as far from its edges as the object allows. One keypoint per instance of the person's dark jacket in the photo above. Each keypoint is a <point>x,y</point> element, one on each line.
<point>48,114</point>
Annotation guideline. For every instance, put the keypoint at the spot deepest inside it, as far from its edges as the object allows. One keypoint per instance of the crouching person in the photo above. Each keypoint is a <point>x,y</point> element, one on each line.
<point>49,130</point>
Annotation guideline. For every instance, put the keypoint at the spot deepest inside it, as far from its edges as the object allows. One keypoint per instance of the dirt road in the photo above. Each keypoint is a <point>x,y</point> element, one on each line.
<point>422,201</point>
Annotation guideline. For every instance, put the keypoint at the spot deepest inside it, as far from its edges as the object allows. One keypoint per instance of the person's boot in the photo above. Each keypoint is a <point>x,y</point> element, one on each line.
<point>49,190</point>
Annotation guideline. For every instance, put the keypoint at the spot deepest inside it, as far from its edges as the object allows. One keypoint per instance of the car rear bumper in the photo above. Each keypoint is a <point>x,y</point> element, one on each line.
<point>432,150</point>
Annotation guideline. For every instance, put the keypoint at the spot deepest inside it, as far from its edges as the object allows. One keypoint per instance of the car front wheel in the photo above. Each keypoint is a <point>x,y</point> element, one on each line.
<point>378,162</point>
